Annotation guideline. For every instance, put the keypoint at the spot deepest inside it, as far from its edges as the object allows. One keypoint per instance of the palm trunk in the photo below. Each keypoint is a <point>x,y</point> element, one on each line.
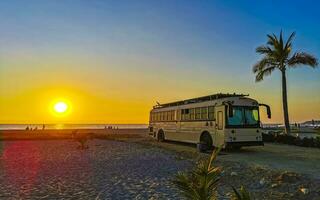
<point>285,102</point>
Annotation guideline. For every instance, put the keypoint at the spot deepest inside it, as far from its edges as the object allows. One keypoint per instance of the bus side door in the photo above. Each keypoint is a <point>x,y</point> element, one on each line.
<point>219,126</point>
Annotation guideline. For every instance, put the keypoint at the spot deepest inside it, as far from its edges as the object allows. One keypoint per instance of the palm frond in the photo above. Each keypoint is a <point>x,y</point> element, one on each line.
<point>272,40</point>
<point>185,186</point>
<point>302,58</point>
<point>243,194</point>
<point>289,41</point>
<point>264,63</point>
<point>201,182</point>
<point>214,155</point>
<point>264,50</point>
<point>265,72</point>
<point>281,40</point>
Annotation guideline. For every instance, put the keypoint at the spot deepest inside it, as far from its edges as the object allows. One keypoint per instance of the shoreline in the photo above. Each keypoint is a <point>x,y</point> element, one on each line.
<point>65,133</point>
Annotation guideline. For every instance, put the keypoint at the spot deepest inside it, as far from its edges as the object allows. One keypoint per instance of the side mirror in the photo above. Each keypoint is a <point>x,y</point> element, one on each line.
<point>268,110</point>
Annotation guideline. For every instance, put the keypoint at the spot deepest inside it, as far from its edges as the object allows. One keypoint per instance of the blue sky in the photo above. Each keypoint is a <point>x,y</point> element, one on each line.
<point>192,47</point>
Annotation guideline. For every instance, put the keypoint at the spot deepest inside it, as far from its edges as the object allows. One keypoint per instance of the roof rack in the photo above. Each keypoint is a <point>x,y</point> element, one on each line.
<point>199,99</point>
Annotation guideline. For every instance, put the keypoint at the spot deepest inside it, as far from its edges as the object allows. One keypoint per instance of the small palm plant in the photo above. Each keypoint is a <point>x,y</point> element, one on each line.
<point>200,183</point>
<point>277,54</point>
<point>242,194</point>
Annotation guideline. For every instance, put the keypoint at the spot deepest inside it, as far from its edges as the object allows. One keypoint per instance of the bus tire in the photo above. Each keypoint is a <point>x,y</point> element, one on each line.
<point>160,136</point>
<point>206,142</point>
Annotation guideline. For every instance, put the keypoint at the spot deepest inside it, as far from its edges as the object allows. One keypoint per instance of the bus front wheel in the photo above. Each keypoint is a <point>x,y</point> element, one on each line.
<point>205,142</point>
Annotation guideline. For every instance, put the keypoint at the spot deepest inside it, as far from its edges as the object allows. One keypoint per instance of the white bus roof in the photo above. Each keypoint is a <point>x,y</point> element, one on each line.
<point>199,100</point>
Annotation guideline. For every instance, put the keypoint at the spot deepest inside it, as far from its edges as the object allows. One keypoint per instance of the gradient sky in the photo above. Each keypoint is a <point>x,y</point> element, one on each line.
<point>111,60</point>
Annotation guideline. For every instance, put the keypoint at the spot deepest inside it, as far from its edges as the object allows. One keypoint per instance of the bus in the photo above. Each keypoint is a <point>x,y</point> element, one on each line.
<point>229,121</point>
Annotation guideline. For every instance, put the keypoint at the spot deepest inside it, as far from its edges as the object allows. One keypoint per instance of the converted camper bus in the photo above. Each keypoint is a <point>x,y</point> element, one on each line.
<point>219,120</point>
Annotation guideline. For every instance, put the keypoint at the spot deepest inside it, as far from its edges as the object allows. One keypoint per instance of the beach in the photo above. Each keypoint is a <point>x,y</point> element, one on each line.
<point>65,133</point>
<point>127,164</point>
<point>56,169</point>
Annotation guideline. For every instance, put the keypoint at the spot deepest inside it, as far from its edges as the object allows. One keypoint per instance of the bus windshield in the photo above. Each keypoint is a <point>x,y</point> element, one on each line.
<point>244,116</point>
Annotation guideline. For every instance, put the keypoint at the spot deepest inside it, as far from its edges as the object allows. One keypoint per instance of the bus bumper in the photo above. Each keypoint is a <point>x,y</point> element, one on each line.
<point>244,143</point>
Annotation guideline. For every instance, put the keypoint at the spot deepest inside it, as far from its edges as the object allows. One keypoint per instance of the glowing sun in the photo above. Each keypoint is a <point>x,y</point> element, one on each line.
<point>60,107</point>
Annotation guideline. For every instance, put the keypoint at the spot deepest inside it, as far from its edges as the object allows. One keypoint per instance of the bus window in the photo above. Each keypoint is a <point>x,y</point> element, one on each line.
<point>182,114</point>
<point>237,118</point>
<point>211,112</point>
<point>204,113</point>
<point>244,117</point>
<point>252,116</point>
<point>170,115</point>
<point>185,114</point>
<point>220,120</point>
<point>198,113</point>
<point>178,115</point>
<point>192,114</point>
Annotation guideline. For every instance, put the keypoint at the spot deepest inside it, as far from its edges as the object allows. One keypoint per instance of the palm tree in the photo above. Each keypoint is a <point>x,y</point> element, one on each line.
<point>277,54</point>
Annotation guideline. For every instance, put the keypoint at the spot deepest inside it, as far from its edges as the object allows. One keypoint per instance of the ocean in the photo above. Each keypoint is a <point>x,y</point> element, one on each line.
<point>70,126</point>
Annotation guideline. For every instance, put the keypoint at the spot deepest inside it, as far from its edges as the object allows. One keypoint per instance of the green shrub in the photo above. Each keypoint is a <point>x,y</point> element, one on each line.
<point>268,137</point>
<point>201,182</point>
<point>291,140</point>
<point>298,142</point>
<point>317,142</point>
<point>307,142</point>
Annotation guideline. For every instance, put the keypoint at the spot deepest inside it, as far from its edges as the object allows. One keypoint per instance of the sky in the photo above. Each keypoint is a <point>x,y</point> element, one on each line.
<point>110,61</point>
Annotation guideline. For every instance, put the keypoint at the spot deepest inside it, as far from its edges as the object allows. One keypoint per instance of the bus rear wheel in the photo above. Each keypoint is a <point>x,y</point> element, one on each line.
<point>205,142</point>
<point>160,136</point>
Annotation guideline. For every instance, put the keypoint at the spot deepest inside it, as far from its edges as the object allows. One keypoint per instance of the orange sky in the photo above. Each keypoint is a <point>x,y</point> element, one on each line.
<point>113,95</point>
<point>112,61</point>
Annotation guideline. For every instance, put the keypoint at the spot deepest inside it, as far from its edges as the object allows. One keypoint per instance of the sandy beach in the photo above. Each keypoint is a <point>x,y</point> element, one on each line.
<point>126,164</point>
<point>56,169</point>
<point>64,133</point>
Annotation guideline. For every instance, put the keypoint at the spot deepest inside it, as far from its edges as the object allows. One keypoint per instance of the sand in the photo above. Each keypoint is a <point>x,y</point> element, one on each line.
<point>63,133</point>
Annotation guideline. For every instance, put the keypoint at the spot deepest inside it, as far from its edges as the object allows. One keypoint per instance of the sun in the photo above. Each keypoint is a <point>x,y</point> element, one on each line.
<point>60,107</point>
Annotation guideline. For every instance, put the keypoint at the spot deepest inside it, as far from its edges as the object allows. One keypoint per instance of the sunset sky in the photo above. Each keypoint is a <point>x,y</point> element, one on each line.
<point>112,60</point>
